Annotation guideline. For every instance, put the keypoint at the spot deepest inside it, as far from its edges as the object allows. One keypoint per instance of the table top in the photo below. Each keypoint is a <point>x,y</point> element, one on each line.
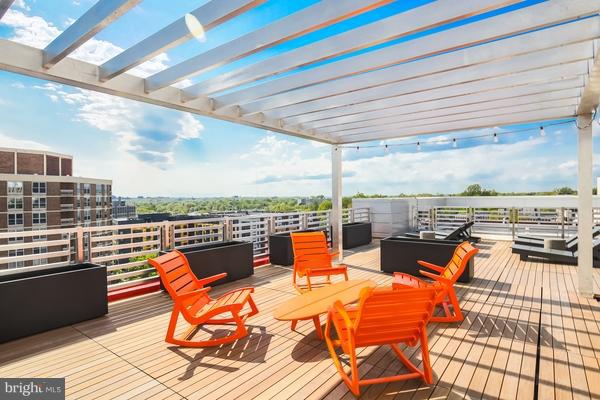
<point>318,301</point>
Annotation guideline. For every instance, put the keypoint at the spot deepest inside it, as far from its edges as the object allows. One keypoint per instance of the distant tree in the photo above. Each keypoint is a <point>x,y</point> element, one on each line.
<point>476,190</point>
<point>564,190</point>
<point>325,205</point>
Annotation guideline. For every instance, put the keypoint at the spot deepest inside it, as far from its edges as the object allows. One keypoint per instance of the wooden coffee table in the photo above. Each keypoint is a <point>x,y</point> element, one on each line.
<point>311,304</point>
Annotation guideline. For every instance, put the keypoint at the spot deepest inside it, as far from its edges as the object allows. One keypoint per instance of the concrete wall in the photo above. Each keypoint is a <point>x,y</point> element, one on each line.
<point>392,216</point>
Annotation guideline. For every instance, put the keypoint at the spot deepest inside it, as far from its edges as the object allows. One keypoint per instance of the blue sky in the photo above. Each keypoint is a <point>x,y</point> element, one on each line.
<point>148,150</point>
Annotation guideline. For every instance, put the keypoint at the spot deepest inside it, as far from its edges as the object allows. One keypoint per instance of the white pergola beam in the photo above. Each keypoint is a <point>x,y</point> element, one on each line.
<point>209,15</point>
<point>85,27</point>
<point>501,26</point>
<point>475,100</point>
<point>474,73</point>
<point>462,116</point>
<point>27,60</point>
<point>484,122</point>
<point>499,107</point>
<point>521,46</point>
<point>409,22</point>
<point>591,93</point>
<point>320,15</point>
<point>549,75</point>
<point>4,6</point>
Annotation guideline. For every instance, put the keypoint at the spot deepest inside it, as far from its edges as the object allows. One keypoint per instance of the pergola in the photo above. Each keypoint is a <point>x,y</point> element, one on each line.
<point>463,65</point>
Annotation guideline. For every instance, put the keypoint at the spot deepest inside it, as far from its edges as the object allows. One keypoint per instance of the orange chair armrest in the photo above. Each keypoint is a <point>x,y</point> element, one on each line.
<point>434,277</point>
<point>326,271</point>
<point>430,266</point>
<point>193,293</point>
<point>210,279</point>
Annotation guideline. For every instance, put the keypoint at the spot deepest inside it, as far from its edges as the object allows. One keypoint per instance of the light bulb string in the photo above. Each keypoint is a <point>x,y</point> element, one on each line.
<point>454,140</point>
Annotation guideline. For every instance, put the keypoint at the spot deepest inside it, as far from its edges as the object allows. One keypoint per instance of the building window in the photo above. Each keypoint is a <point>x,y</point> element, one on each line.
<point>38,202</point>
<point>99,189</point>
<point>38,187</point>
<point>15,253</point>
<point>98,201</point>
<point>38,218</point>
<point>87,215</point>
<point>87,188</point>
<point>87,202</point>
<point>38,238</point>
<point>40,250</point>
<point>15,187</point>
<point>15,219</point>
<point>15,203</point>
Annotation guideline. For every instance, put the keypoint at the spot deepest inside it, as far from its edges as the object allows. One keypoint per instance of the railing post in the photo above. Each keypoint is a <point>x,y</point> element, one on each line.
<point>350,215</point>
<point>270,225</point>
<point>80,239</point>
<point>513,218</point>
<point>304,220</point>
<point>562,222</point>
<point>227,230</point>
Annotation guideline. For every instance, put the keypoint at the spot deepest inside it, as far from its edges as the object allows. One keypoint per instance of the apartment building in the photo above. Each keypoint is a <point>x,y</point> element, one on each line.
<point>122,210</point>
<point>38,191</point>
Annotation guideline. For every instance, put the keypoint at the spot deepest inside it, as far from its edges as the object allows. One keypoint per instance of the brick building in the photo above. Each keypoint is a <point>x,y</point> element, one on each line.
<point>38,192</point>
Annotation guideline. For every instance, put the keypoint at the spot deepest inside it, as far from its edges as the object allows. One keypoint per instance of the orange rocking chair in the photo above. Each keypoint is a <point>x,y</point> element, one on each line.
<point>191,299</point>
<point>382,316</point>
<point>443,281</point>
<point>313,259</point>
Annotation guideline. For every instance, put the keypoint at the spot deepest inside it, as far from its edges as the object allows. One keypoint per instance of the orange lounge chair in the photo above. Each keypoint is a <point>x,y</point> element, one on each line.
<point>444,281</point>
<point>312,259</point>
<point>382,316</point>
<point>191,299</point>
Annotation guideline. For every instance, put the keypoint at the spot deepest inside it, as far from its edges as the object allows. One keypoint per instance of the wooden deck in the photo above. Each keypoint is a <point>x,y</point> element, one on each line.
<point>523,320</point>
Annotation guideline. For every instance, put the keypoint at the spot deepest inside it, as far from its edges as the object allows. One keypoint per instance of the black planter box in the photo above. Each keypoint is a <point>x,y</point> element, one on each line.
<point>356,234</point>
<point>37,301</point>
<point>280,247</point>
<point>400,254</point>
<point>235,258</point>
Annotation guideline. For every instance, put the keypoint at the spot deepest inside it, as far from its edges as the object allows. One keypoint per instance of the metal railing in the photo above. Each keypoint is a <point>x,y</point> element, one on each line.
<point>512,221</point>
<point>125,249</point>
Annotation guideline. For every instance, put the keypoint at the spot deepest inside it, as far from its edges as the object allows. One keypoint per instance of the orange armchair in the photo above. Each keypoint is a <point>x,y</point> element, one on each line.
<point>191,299</point>
<point>383,316</point>
<point>444,279</point>
<point>313,259</point>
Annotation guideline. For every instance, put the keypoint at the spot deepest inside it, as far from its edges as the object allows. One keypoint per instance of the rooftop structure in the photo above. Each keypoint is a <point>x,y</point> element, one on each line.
<point>530,328</point>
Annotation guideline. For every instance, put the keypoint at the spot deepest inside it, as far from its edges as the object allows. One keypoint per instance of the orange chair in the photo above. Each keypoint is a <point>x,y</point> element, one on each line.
<point>191,299</point>
<point>382,316</point>
<point>312,259</point>
<point>443,281</point>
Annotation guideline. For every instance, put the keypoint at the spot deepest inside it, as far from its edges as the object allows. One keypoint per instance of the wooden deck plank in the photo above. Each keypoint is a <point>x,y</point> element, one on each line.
<point>491,354</point>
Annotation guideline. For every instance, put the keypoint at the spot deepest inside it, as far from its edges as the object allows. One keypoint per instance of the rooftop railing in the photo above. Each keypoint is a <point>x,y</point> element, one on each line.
<point>508,221</point>
<point>125,249</point>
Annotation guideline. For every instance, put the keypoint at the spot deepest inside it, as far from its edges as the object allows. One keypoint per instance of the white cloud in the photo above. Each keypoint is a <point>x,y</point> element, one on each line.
<point>19,143</point>
<point>190,127</point>
<point>17,85</point>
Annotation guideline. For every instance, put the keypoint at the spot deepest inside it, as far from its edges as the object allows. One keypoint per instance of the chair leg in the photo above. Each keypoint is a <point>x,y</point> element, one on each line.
<point>456,315</point>
<point>170,337</point>
<point>428,373</point>
<point>294,324</point>
<point>352,383</point>
<point>455,305</point>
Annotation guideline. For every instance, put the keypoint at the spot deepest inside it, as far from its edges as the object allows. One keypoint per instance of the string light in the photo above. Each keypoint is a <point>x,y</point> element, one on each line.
<point>387,149</point>
<point>454,141</point>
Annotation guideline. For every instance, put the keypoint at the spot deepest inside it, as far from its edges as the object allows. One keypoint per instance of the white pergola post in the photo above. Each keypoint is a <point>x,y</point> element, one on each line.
<point>336,200</point>
<point>585,211</point>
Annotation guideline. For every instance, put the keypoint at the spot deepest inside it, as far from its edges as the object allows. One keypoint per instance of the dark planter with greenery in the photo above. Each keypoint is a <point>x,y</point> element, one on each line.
<point>236,258</point>
<point>356,234</point>
<point>400,254</point>
<point>37,301</point>
<point>280,247</point>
